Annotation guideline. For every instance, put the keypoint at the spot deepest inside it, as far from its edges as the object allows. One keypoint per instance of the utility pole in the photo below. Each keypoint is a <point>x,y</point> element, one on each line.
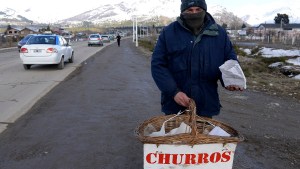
<point>140,30</point>
<point>281,29</point>
<point>136,31</point>
<point>133,33</point>
<point>147,31</point>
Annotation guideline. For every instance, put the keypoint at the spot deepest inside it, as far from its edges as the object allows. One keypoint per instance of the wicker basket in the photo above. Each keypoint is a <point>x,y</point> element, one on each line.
<point>199,126</point>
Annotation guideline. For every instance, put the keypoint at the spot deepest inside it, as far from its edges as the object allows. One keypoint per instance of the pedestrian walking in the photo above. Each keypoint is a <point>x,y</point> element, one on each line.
<point>119,39</point>
<point>186,60</point>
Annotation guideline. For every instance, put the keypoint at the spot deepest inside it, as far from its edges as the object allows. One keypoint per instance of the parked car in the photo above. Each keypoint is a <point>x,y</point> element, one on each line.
<point>112,37</point>
<point>105,39</point>
<point>95,39</point>
<point>68,36</point>
<point>24,40</point>
<point>46,49</point>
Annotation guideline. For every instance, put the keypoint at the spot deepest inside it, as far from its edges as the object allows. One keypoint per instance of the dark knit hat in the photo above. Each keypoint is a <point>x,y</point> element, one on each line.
<point>185,4</point>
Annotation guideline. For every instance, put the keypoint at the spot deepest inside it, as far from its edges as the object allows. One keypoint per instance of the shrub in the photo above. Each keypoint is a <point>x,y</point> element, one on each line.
<point>238,51</point>
<point>269,61</point>
<point>256,51</point>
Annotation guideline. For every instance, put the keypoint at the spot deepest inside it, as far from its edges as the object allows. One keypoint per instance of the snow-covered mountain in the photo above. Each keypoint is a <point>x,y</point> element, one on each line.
<point>146,10</point>
<point>109,12</point>
<point>223,16</point>
<point>8,15</point>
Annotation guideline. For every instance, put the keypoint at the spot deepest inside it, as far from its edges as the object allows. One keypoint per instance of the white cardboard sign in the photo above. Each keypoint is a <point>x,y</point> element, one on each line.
<point>203,156</point>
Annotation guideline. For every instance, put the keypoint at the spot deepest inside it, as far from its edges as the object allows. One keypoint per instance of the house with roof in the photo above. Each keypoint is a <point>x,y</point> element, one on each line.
<point>12,31</point>
<point>286,29</point>
<point>285,33</point>
<point>28,30</point>
<point>20,31</point>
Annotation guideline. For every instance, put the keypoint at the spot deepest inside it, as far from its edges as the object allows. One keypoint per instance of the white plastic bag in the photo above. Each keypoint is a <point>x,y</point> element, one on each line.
<point>183,128</point>
<point>232,74</point>
<point>218,131</point>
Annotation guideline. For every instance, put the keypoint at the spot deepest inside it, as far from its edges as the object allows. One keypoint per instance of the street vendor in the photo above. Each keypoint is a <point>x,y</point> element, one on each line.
<point>186,60</point>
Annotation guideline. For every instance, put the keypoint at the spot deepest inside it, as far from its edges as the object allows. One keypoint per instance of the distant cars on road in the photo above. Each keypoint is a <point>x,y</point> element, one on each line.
<point>46,49</point>
<point>95,39</point>
<point>112,37</point>
<point>105,38</point>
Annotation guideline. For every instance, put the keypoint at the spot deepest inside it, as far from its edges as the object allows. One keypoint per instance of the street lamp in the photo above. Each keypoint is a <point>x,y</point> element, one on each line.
<point>135,30</point>
<point>136,35</point>
<point>281,29</point>
<point>133,33</point>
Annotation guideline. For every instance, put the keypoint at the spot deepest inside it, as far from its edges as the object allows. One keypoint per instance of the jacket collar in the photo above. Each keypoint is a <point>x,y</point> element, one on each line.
<point>210,26</point>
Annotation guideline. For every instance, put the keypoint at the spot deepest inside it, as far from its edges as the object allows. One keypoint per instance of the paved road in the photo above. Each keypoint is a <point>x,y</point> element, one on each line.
<point>20,89</point>
<point>88,120</point>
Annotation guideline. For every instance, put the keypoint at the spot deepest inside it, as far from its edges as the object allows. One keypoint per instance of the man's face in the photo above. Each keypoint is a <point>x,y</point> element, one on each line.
<point>193,9</point>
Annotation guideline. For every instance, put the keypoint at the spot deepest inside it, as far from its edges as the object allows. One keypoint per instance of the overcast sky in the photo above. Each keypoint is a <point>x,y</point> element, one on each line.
<point>61,9</point>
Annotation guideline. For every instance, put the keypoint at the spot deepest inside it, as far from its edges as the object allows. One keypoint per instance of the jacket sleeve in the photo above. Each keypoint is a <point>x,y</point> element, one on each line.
<point>159,68</point>
<point>229,52</point>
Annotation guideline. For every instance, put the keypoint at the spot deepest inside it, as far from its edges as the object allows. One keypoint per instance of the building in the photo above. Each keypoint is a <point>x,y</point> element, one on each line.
<point>12,31</point>
<point>284,33</point>
<point>20,32</point>
<point>28,30</point>
<point>287,29</point>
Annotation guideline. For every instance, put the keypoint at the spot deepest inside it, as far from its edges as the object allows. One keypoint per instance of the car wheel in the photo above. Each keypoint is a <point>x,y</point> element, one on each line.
<point>26,67</point>
<point>61,64</point>
<point>71,60</point>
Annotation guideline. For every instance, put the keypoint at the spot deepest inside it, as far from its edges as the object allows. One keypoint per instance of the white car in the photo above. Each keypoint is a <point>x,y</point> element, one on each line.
<point>46,49</point>
<point>95,39</point>
<point>105,39</point>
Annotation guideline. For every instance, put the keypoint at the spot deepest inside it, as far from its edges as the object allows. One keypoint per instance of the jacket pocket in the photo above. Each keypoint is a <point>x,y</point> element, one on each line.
<point>179,70</point>
<point>178,56</point>
<point>212,102</point>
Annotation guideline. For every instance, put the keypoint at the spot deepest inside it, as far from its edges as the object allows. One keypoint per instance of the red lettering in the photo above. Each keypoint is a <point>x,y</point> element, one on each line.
<point>190,159</point>
<point>215,157</point>
<point>148,158</point>
<point>164,158</point>
<point>175,159</point>
<point>202,158</point>
<point>226,156</point>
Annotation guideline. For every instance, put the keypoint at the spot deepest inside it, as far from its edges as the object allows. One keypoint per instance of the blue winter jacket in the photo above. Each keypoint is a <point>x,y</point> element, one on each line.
<point>183,62</point>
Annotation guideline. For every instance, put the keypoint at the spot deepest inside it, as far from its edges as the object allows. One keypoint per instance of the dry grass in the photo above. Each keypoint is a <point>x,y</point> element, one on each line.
<point>259,76</point>
<point>272,81</point>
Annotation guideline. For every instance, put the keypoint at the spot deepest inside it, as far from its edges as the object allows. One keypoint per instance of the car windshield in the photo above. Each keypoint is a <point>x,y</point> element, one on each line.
<point>51,40</point>
<point>94,36</point>
<point>25,39</point>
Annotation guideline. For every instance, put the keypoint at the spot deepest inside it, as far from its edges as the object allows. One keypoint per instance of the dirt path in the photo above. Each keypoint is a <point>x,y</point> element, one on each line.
<point>87,122</point>
<point>270,125</point>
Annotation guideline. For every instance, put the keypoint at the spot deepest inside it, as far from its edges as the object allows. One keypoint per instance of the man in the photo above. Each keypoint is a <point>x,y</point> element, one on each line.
<point>119,39</point>
<point>186,60</point>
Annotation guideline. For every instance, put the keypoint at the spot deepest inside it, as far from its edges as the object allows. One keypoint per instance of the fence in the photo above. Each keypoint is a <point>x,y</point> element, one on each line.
<point>8,41</point>
<point>269,40</point>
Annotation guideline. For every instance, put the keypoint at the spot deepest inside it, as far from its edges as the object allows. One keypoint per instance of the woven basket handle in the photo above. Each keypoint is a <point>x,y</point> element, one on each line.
<point>192,112</point>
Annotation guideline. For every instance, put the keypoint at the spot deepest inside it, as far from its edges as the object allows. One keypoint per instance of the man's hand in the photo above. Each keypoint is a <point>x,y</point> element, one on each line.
<point>234,88</point>
<point>182,99</point>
